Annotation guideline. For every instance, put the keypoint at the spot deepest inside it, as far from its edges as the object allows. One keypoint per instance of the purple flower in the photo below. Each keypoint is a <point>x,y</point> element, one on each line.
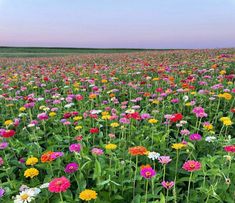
<point>124,121</point>
<point>195,137</point>
<point>55,155</point>
<point>3,145</point>
<point>71,167</point>
<point>167,184</point>
<point>75,148</point>
<point>2,191</point>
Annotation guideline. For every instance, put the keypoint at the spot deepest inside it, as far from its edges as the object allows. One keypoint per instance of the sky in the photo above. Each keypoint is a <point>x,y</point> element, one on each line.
<point>118,23</point>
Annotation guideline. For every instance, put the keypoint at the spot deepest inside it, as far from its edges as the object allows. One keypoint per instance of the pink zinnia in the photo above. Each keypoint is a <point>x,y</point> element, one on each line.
<point>147,172</point>
<point>229,148</point>
<point>75,148</point>
<point>42,116</point>
<point>168,184</point>
<point>97,151</point>
<point>191,166</point>
<point>195,137</point>
<point>59,185</point>
<point>71,167</point>
<point>164,159</point>
<point>199,111</point>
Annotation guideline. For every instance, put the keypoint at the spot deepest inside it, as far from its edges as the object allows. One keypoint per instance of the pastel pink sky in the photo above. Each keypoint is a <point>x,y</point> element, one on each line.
<point>118,23</point>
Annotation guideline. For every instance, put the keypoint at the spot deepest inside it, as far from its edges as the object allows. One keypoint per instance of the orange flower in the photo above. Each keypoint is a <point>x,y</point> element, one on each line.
<point>46,157</point>
<point>138,150</point>
<point>145,166</point>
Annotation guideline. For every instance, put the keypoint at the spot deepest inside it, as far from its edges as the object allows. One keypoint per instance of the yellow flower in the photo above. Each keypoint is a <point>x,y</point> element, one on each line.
<point>104,81</point>
<point>114,125</point>
<point>156,79</point>
<point>226,121</point>
<point>78,127</point>
<point>227,96</point>
<point>77,118</point>
<point>110,146</point>
<point>229,83</point>
<point>22,108</point>
<point>152,121</point>
<point>193,93</point>
<point>188,104</point>
<point>105,113</point>
<point>155,101</point>
<point>8,122</point>
<point>76,85</point>
<point>208,127</point>
<point>88,195</point>
<point>31,172</point>
<point>178,146</point>
<point>106,117</point>
<point>31,161</point>
<point>52,114</point>
<point>222,72</point>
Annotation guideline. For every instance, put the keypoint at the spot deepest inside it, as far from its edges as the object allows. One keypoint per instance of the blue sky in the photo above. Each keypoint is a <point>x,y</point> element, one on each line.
<point>118,23</point>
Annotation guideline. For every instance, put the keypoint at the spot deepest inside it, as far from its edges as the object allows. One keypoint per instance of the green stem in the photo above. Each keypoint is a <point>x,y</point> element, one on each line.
<point>189,186</point>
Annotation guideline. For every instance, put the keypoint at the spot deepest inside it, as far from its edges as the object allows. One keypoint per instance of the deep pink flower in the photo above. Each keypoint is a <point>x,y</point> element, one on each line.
<point>229,148</point>
<point>192,165</point>
<point>97,151</point>
<point>71,167</point>
<point>75,148</point>
<point>147,172</point>
<point>59,185</point>
<point>42,116</point>
<point>195,137</point>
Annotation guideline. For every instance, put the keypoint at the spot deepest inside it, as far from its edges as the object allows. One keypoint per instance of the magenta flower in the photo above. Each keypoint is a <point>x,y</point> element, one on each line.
<point>195,137</point>
<point>147,172</point>
<point>71,167</point>
<point>199,111</point>
<point>75,148</point>
<point>42,116</point>
<point>168,184</point>
<point>164,159</point>
<point>191,166</point>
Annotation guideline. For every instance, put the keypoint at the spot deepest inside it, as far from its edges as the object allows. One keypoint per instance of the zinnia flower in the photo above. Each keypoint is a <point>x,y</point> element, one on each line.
<point>195,137</point>
<point>164,159</point>
<point>229,148</point>
<point>71,167</point>
<point>110,146</point>
<point>75,148</point>
<point>59,185</point>
<point>168,184</point>
<point>31,161</point>
<point>138,150</point>
<point>147,172</point>
<point>8,133</point>
<point>31,172</point>
<point>88,195</point>
<point>192,165</point>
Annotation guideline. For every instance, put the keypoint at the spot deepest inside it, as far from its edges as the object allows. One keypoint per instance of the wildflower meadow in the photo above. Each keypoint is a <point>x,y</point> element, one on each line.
<point>144,127</point>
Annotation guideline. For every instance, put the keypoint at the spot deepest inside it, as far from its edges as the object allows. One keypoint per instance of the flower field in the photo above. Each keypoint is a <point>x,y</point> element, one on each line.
<point>118,128</point>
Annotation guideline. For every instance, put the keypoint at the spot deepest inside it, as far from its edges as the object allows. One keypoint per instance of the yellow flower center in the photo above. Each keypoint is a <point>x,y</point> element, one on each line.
<point>24,196</point>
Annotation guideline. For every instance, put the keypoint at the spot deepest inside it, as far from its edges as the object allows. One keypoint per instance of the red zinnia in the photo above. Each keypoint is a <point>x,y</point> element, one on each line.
<point>176,117</point>
<point>229,148</point>
<point>8,133</point>
<point>94,130</point>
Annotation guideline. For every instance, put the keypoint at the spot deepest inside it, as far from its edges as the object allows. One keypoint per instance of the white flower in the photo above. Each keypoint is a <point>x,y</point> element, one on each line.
<point>45,185</point>
<point>35,190</point>
<point>185,98</point>
<point>153,155</point>
<point>130,111</point>
<point>210,138</point>
<point>25,196</point>
<point>69,105</point>
<point>40,99</point>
